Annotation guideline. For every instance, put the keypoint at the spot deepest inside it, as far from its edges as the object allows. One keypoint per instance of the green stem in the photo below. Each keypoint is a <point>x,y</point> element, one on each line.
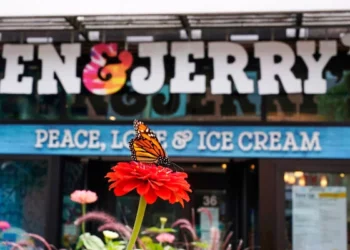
<point>138,222</point>
<point>83,208</point>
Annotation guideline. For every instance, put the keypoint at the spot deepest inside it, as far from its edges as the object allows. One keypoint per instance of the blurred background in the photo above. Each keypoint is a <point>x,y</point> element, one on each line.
<point>255,194</point>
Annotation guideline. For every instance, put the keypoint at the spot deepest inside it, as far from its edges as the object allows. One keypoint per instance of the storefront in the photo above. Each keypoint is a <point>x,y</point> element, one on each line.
<point>257,116</point>
<point>251,188</point>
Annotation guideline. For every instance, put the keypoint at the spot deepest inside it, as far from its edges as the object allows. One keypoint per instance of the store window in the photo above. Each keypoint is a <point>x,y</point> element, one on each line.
<point>212,200</point>
<point>333,106</point>
<point>127,208</point>
<point>73,179</point>
<point>23,188</point>
<point>317,211</point>
<point>32,107</point>
<point>128,105</point>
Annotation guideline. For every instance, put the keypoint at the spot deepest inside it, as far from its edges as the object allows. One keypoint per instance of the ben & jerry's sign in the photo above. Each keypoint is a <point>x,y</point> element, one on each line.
<point>109,68</point>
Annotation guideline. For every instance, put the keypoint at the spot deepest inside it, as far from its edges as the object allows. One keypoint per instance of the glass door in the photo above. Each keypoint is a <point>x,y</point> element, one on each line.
<point>316,210</point>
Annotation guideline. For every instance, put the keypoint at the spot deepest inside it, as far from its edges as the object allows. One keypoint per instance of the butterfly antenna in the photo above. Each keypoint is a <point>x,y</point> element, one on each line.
<point>176,167</point>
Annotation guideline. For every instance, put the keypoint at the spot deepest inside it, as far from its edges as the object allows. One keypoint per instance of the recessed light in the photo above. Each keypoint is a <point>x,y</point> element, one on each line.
<point>246,37</point>
<point>45,39</point>
<point>138,39</point>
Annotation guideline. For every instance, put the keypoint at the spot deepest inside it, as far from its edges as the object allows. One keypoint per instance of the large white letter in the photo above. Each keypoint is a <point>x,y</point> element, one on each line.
<point>266,51</point>
<point>315,84</point>
<point>65,69</point>
<point>11,84</point>
<point>150,82</point>
<point>309,145</point>
<point>181,82</point>
<point>220,84</point>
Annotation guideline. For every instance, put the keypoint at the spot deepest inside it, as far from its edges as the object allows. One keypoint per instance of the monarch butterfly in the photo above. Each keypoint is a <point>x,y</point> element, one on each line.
<point>145,147</point>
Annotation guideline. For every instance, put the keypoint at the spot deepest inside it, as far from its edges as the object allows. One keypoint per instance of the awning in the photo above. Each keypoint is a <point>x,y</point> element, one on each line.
<point>279,26</point>
<point>178,7</point>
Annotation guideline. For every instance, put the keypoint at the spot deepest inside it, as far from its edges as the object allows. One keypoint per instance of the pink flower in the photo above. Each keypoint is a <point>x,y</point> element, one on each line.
<point>4,225</point>
<point>83,196</point>
<point>165,237</point>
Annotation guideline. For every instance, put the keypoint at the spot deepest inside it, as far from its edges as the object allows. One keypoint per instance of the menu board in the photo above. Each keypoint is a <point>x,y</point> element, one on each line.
<point>319,220</point>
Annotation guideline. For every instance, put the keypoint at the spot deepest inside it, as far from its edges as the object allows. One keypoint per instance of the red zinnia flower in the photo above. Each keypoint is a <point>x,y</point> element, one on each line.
<point>150,181</point>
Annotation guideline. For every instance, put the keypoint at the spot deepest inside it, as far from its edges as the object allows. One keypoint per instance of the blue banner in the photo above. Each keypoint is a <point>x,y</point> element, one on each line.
<point>179,140</point>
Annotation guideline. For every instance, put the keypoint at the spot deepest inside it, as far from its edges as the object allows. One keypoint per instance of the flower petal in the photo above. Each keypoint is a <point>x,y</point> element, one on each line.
<point>143,188</point>
<point>150,196</point>
<point>119,191</point>
<point>151,181</point>
<point>163,193</point>
<point>131,185</point>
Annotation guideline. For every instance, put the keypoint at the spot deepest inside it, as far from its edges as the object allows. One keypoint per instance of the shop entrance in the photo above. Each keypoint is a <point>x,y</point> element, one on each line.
<point>305,202</point>
<point>228,189</point>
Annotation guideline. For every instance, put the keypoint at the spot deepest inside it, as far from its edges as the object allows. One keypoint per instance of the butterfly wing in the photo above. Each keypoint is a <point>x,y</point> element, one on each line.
<point>145,147</point>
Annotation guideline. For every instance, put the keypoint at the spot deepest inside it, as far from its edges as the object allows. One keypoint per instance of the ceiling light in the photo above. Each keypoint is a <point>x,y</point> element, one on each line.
<point>196,34</point>
<point>291,179</point>
<point>112,118</point>
<point>247,37</point>
<point>303,33</point>
<point>323,181</point>
<point>298,174</point>
<point>138,39</point>
<point>342,175</point>
<point>291,32</point>
<point>183,34</point>
<point>94,35</point>
<point>39,39</point>
<point>302,181</point>
<point>224,166</point>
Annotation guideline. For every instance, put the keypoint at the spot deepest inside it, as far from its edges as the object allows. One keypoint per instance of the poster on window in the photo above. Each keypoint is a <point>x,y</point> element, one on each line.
<point>319,218</point>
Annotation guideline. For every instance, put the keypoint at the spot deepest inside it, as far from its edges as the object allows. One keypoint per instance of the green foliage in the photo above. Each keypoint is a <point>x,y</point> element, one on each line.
<point>200,244</point>
<point>159,230</point>
<point>335,104</point>
<point>90,242</point>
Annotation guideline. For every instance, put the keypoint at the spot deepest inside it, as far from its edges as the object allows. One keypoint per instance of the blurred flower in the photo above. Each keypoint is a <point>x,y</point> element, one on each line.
<point>124,231</point>
<point>165,238</point>
<point>186,224</point>
<point>110,235</point>
<point>150,181</point>
<point>146,239</point>
<point>83,196</point>
<point>208,213</point>
<point>163,220</point>
<point>4,225</point>
<point>96,216</point>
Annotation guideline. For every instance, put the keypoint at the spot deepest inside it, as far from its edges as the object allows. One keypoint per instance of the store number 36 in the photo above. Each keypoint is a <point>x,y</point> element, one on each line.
<point>210,201</point>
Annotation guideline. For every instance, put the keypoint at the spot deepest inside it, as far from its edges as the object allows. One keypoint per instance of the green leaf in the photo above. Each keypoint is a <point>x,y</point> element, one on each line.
<point>157,246</point>
<point>168,247</point>
<point>92,242</point>
<point>200,244</point>
<point>116,246</point>
<point>159,230</point>
<point>80,244</point>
